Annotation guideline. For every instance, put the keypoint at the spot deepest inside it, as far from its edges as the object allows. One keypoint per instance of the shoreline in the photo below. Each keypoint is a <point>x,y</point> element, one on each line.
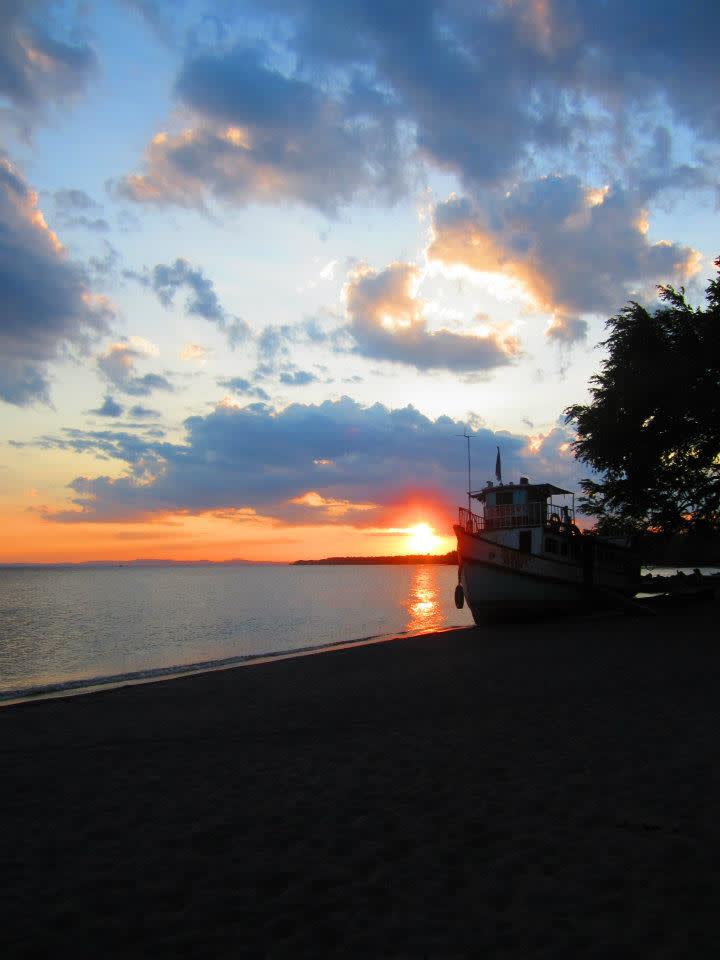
<point>652,588</point>
<point>546,790</point>
<point>91,685</point>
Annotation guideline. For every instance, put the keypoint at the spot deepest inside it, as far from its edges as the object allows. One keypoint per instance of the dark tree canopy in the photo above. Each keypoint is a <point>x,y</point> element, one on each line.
<point>652,428</point>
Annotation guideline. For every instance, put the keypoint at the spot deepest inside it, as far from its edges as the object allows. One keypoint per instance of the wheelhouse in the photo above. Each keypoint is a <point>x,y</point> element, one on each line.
<point>526,505</point>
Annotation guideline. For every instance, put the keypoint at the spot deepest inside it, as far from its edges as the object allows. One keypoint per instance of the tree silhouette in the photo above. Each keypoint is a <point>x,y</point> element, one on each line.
<point>652,429</point>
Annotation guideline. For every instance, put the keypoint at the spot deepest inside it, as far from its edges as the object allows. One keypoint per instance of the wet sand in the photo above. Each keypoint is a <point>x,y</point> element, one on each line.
<point>521,791</point>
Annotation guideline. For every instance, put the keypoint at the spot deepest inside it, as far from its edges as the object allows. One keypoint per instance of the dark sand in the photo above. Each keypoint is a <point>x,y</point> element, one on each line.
<point>548,791</point>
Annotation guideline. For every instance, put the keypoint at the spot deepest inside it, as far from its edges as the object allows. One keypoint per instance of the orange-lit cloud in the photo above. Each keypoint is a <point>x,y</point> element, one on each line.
<point>388,470</point>
<point>297,148</point>
<point>331,506</point>
<point>388,321</point>
<point>193,352</point>
<point>46,306</point>
<point>573,249</point>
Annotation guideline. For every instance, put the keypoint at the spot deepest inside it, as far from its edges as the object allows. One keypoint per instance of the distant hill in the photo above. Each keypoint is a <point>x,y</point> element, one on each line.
<point>446,558</point>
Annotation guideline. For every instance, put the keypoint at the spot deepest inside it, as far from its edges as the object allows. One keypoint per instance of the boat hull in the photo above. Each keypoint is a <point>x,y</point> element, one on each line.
<point>503,583</point>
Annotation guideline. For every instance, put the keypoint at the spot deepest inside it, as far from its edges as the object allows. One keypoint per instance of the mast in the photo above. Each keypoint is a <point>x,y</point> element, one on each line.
<point>467,438</point>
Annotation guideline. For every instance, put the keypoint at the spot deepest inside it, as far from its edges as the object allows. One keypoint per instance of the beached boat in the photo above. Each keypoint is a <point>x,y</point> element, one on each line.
<point>524,555</point>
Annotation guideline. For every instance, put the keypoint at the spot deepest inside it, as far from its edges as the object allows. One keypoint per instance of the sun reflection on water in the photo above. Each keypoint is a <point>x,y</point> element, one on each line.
<point>423,606</point>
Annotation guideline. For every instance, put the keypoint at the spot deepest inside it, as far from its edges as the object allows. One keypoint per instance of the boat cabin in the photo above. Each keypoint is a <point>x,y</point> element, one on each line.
<point>524,504</point>
<point>533,525</point>
<point>525,516</point>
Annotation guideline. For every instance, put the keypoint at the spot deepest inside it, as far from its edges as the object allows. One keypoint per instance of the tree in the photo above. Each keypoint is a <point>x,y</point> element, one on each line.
<point>652,428</point>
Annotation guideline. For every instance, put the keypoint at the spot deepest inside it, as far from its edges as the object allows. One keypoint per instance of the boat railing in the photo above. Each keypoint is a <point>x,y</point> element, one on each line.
<point>510,515</point>
<point>471,522</point>
<point>515,515</point>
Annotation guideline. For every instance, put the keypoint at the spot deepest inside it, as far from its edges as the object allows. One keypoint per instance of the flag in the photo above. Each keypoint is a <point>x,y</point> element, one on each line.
<point>498,467</point>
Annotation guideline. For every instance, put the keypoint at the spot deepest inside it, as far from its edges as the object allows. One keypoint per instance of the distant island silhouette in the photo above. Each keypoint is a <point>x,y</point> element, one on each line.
<point>444,558</point>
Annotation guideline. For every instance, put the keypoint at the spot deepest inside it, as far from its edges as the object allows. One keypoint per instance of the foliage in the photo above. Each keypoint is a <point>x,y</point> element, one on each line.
<point>652,428</point>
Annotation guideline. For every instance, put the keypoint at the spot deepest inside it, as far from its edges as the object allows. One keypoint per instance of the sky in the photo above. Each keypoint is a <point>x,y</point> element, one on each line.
<point>262,264</point>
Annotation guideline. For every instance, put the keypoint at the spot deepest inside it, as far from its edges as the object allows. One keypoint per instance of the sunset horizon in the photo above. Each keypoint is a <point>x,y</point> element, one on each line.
<point>359,478</point>
<point>265,276</point>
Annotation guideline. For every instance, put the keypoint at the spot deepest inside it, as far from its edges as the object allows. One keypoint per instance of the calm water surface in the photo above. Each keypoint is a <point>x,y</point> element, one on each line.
<point>71,627</point>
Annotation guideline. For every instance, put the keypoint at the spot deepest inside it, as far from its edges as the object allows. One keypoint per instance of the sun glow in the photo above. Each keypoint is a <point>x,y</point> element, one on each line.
<point>421,539</point>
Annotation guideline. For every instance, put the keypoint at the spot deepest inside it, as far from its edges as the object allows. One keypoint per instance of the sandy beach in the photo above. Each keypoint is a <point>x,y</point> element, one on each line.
<point>549,790</point>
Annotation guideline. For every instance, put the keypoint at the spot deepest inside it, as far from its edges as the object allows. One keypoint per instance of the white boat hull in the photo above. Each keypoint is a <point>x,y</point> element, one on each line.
<point>502,582</point>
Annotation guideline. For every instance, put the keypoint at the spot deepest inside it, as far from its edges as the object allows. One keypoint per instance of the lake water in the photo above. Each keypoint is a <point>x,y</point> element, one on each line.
<point>71,628</point>
<point>75,628</point>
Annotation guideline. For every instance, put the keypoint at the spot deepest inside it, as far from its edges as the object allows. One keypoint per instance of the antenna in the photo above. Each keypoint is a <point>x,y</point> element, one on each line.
<point>468,438</point>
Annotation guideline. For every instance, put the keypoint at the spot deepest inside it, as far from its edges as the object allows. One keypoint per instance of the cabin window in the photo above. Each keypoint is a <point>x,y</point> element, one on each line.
<point>525,541</point>
<point>504,498</point>
<point>551,546</point>
<point>563,549</point>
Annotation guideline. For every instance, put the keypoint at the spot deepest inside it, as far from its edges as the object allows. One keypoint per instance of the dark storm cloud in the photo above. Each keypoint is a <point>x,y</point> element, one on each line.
<point>46,307</point>
<point>166,279</point>
<point>574,250</point>
<point>258,458</point>
<point>387,322</point>
<point>40,59</point>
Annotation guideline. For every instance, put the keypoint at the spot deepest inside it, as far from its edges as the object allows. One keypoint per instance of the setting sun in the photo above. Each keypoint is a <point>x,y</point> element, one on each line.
<point>421,539</point>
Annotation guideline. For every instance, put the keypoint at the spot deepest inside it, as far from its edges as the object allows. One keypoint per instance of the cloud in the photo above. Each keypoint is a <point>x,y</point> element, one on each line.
<point>573,249</point>
<point>243,387</point>
<point>299,463</point>
<point>101,268</point>
<point>118,366</point>
<point>38,64</point>
<point>142,413</point>
<point>74,208</point>
<point>266,137</point>
<point>297,378</point>
<point>194,352</point>
<point>165,279</point>
<point>109,408</point>
<point>490,89</point>
<point>331,507</point>
<point>274,349</point>
<point>387,322</point>
<point>274,341</point>
<point>47,310</point>
<point>74,199</point>
<point>642,52</point>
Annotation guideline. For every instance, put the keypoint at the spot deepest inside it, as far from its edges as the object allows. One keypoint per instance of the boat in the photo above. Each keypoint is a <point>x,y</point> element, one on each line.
<point>524,556</point>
